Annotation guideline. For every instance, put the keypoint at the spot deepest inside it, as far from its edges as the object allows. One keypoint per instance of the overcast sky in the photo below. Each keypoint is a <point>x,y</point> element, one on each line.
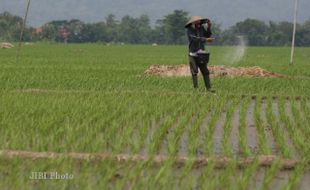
<point>226,12</point>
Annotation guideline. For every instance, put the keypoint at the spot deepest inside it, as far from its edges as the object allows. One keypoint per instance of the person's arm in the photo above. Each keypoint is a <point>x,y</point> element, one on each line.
<point>207,29</point>
<point>192,37</point>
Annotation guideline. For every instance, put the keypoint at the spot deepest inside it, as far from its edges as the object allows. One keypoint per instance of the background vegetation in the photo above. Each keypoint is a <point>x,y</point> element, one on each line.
<point>168,30</point>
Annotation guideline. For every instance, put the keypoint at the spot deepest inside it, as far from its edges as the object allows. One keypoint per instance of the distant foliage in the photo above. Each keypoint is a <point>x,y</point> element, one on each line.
<point>168,30</point>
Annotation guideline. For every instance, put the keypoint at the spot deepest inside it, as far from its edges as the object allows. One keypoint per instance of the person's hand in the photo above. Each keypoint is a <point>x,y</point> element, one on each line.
<point>210,40</point>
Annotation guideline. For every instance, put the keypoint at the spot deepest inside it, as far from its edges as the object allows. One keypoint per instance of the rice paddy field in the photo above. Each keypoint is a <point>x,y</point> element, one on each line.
<point>89,112</point>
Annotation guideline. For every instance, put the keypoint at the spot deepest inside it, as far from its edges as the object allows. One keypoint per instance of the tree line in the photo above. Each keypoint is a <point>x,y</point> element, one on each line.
<point>168,30</point>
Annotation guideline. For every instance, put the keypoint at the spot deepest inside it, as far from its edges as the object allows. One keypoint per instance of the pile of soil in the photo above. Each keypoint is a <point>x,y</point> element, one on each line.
<point>6,45</point>
<point>215,71</point>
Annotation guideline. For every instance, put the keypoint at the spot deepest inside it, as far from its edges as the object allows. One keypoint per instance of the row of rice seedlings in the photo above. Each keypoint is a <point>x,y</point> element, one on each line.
<point>162,130</point>
<point>187,178</point>
<point>151,116</point>
<point>163,176</point>
<point>185,119</point>
<point>295,177</point>
<point>215,116</point>
<point>143,122</point>
<point>156,118</point>
<point>306,110</point>
<point>199,112</point>
<point>203,182</point>
<point>111,123</point>
<point>123,132</point>
<point>270,174</point>
<point>136,124</point>
<point>193,132</point>
<point>59,127</point>
<point>135,176</point>
<point>295,134</point>
<point>107,176</point>
<point>262,140</point>
<point>187,181</point>
<point>247,174</point>
<point>228,127</point>
<point>167,143</point>
<point>225,177</point>
<point>299,120</point>
<point>244,147</point>
<point>277,133</point>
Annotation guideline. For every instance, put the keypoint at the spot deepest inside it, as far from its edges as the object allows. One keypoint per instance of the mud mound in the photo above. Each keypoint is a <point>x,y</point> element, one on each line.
<point>6,45</point>
<point>215,71</point>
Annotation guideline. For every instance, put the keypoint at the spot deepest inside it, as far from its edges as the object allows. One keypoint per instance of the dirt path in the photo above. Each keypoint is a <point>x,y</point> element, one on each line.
<point>215,71</point>
<point>220,161</point>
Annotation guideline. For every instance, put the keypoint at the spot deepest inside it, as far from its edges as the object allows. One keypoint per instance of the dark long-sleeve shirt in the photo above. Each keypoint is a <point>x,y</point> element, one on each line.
<point>197,38</point>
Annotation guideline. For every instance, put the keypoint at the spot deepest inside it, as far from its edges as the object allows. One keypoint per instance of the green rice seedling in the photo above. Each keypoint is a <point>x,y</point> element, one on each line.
<point>161,132</point>
<point>125,128</point>
<point>300,120</point>
<point>262,140</point>
<point>270,174</point>
<point>226,176</point>
<point>194,128</point>
<point>244,148</point>
<point>173,144</point>
<point>295,177</point>
<point>159,179</point>
<point>243,182</point>
<point>215,115</point>
<point>295,133</point>
<point>305,110</point>
<point>277,133</point>
<point>169,142</point>
<point>186,180</point>
<point>206,175</point>
<point>141,128</point>
<point>227,127</point>
<point>144,127</point>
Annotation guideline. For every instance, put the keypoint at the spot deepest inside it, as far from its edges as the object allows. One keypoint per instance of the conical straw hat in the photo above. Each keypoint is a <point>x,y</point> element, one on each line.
<point>194,19</point>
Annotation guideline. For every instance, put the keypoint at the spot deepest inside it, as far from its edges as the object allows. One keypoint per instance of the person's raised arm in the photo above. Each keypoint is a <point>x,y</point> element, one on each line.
<point>207,29</point>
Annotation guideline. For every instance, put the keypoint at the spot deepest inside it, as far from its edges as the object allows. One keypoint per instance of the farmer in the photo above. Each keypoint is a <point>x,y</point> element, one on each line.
<point>199,32</point>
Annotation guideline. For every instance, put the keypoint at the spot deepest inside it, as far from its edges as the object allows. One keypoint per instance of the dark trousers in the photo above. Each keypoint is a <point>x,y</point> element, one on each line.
<point>194,65</point>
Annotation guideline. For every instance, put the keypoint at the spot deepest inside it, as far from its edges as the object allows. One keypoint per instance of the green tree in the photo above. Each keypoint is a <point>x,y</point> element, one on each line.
<point>303,34</point>
<point>172,27</point>
<point>135,30</point>
<point>10,26</point>
<point>255,30</point>
<point>111,28</point>
<point>94,32</point>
